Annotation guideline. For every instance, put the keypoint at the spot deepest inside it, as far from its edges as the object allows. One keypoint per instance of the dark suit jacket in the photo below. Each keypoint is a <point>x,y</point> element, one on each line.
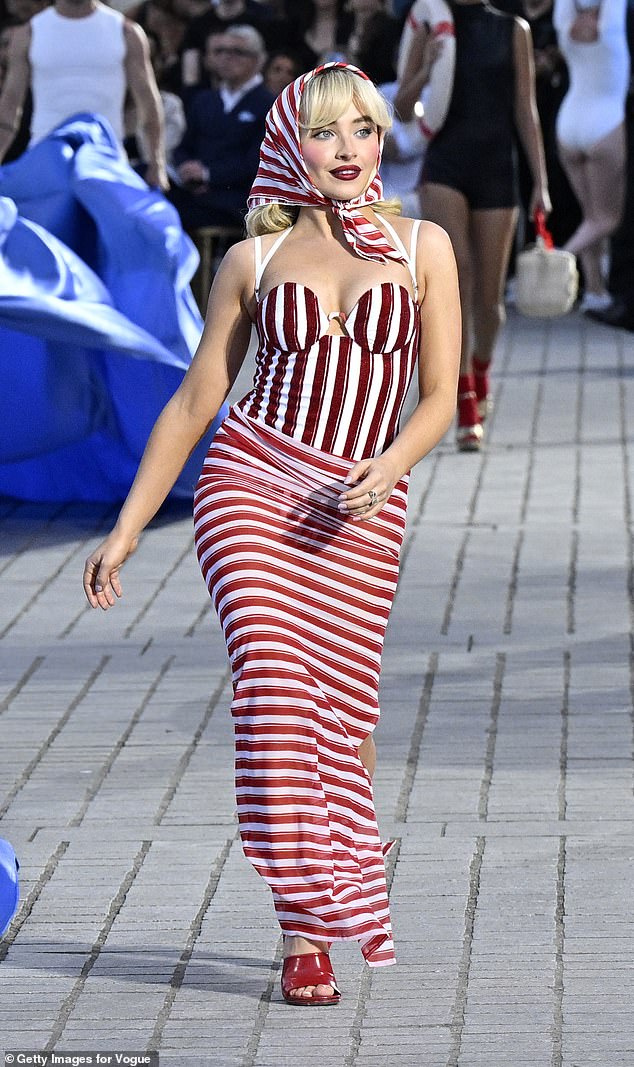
<point>228,144</point>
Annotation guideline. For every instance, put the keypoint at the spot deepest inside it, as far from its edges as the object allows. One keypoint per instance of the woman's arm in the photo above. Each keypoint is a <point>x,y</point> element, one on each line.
<point>416,71</point>
<point>527,117</point>
<point>183,421</point>
<point>439,360</point>
<point>149,108</point>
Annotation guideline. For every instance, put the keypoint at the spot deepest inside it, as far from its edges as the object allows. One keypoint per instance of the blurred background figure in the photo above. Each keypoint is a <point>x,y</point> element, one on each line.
<point>166,22</point>
<point>174,125</point>
<point>81,56</point>
<point>280,69</point>
<point>373,39</point>
<point>551,85</point>
<point>15,13</point>
<point>207,70</point>
<point>401,164</point>
<point>218,157</point>
<point>317,29</point>
<point>401,8</point>
<point>591,130</point>
<point>469,180</point>
<point>620,312</point>
<point>216,16</point>
<point>373,45</point>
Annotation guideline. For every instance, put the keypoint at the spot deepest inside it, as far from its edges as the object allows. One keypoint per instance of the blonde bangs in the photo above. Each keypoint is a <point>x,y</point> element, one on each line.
<point>328,95</point>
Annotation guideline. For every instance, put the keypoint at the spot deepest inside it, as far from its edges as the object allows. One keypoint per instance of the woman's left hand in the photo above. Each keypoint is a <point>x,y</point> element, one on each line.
<point>371,483</point>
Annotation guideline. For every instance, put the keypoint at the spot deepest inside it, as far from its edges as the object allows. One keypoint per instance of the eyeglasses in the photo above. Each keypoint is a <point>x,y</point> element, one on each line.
<point>223,50</point>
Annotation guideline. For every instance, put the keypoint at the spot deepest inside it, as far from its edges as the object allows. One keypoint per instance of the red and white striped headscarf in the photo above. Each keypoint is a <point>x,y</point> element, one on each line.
<point>282,177</point>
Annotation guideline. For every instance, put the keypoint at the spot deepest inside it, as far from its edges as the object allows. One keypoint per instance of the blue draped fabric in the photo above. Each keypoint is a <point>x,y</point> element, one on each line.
<point>97,321</point>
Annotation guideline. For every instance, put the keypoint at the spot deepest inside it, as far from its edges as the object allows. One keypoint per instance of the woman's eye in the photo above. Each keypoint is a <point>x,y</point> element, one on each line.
<point>323,135</point>
<point>365,131</point>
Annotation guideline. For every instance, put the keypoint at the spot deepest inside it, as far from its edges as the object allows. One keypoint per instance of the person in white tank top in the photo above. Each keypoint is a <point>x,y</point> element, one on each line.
<point>80,55</point>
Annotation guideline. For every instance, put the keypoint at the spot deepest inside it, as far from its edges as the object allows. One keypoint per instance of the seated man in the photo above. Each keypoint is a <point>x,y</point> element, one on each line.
<point>218,156</point>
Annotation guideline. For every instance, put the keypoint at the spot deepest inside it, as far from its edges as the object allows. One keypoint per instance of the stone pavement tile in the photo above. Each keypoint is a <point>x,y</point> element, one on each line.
<point>204,1053</point>
<point>24,1037</point>
<point>500,1057</point>
<point>587,1058</point>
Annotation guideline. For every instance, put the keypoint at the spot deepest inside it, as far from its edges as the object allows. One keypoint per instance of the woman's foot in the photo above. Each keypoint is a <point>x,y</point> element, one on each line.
<point>300,946</point>
<point>482,388</point>
<point>469,429</point>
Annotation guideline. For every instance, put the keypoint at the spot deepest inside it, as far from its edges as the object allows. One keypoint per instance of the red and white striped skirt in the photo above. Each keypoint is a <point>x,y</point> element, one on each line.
<point>303,595</point>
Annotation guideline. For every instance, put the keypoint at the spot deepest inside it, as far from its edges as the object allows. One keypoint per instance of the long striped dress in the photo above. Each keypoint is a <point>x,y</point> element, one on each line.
<point>303,594</point>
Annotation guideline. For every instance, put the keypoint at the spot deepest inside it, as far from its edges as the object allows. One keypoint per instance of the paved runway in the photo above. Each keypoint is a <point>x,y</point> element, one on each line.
<point>505,768</point>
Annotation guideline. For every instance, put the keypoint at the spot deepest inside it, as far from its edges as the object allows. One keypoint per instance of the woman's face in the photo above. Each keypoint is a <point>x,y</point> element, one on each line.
<point>341,158</point>
<point>280,71</point>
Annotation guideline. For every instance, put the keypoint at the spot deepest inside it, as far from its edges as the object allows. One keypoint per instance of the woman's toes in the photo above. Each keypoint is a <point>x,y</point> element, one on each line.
<point>313,991</point>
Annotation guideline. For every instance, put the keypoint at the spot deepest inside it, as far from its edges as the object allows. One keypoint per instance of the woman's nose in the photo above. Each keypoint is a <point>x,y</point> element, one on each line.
<point>346,149</point>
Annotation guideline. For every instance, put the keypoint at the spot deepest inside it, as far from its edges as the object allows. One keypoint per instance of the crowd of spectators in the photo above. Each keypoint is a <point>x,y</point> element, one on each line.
<point>219,64</point>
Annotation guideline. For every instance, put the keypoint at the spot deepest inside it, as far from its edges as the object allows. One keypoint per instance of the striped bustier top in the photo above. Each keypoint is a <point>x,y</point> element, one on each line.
<point>342,394</point>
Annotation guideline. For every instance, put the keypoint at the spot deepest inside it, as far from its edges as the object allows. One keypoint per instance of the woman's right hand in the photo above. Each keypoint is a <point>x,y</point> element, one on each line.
<point>101,571</point>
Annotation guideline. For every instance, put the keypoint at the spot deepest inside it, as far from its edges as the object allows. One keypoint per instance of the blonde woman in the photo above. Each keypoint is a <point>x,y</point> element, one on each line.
<point>300,507</point>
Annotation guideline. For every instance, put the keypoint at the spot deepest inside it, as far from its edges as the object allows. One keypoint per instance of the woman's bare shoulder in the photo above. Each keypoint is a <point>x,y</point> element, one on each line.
<point>432,236</point>
<point>242,254</point>
<point>238,260</point>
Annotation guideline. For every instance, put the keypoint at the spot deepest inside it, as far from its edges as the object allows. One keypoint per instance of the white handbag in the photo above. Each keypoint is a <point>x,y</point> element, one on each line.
<point>546,278</point>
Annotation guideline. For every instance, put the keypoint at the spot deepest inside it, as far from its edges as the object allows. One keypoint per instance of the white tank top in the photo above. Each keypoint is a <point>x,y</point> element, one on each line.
<point>77,65</point>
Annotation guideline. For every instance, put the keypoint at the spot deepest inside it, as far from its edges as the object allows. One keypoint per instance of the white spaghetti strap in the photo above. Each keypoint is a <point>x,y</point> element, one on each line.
<point>411,257</point>
<point>261,264</point>
<point>413,245</point>
<point>257,263</point>
<point>399,244</point>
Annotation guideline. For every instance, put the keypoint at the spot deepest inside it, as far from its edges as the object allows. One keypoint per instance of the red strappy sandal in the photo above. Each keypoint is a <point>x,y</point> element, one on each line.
<point>313,969</point>
<point>469,429</point>
<point>482,388</point>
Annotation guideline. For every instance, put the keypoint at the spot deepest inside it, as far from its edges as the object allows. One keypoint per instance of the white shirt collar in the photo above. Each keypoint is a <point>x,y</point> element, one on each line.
<point>230,97</point>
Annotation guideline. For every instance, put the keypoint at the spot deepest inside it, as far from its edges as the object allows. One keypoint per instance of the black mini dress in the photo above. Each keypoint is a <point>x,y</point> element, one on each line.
<point>474,152</point>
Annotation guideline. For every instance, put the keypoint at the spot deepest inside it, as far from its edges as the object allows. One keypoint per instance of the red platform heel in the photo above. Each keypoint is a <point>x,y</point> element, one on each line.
<point>469,429</point>
<point>313,969</point>
<point>482,388</point>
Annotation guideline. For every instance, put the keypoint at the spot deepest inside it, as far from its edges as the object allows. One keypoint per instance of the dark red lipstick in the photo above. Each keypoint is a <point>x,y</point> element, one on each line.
<point>346,174</point>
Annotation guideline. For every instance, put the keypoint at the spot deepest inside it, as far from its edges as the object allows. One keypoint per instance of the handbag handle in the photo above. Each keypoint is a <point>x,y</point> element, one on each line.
<point>541,229</point>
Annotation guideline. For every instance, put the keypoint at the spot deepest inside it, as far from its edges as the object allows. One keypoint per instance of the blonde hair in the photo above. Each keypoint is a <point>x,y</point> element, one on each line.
<point>325,98</point>
<point>330,93</point>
